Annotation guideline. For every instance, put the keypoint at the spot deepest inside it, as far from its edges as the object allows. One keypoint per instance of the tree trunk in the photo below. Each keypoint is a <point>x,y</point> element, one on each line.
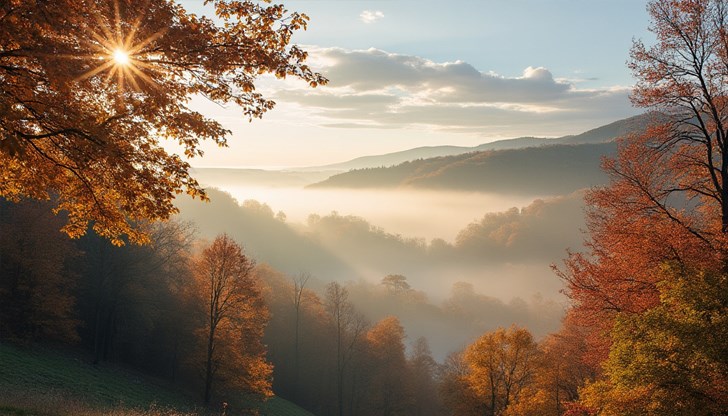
<point>208,366</point>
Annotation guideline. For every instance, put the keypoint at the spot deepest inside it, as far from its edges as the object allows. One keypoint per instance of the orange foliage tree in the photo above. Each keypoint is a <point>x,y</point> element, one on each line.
<point>493,372</point>
<point>235,316</point>
<point>389,382</point>
<point>91,88</point>
<point>668,198</point>
<point>558,374</point>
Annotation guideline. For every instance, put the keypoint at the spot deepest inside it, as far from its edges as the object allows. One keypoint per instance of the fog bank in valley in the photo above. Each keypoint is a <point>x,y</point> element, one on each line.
<point>492,271</point>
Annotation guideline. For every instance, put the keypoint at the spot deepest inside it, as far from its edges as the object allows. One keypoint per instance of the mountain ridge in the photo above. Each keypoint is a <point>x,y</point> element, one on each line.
<point>601,134</point>
<point>546,170</point>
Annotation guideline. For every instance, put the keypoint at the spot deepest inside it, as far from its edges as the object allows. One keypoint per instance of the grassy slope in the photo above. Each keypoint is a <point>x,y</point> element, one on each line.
<point>46,383</point>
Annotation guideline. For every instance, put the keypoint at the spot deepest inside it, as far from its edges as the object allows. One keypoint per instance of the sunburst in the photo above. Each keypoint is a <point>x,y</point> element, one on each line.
<point>122,55</point>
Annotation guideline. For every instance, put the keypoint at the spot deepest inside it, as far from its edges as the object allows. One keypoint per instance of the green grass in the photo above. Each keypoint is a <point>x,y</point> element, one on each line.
<point>42,382</point>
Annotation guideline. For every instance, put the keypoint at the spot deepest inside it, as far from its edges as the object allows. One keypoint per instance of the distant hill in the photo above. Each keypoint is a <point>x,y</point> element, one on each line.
<point>611,131</point>
<point>267,238</point>
<point>390,159</point>
<point>601,134</point>
<point>545,170</point>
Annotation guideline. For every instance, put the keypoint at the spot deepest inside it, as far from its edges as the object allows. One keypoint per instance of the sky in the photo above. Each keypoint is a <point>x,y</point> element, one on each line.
<point>406,73</point>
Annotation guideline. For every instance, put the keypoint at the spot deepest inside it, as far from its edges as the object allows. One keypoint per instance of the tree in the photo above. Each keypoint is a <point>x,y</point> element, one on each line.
<point>423,371</point>
<point>668,196</point>
<point>684,75</point>
<point>396,283</point>
<point>121,289</point>
<point>36,277</point>
<point>92,87</point>
<point>456,393</point>
<point>558,374</point>
<point>500,364</point>
<point>299,284</point>
<point>312,387</point>
<point>235,317</point>
<point>673,358</point>
<point>348,327</point>
<point>389,382</point>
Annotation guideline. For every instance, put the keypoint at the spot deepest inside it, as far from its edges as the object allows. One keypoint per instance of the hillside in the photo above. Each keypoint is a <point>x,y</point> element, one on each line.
<point>556,169</point>
<point>41,382</point>
<point>611,131</point>
<point>600,134</point>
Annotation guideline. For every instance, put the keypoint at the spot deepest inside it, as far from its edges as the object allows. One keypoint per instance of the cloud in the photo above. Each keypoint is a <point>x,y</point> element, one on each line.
<point>381,89</point>
<point>371,16</point>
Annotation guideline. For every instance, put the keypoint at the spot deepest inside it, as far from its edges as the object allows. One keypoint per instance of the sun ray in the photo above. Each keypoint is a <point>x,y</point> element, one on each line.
<point>128,41</point>
<point>97,70</point>
<point>144,77</point>
<point>120,80</point>
<point>133,81</point>
<point>121,55</point>
<point>117,16</point>
<point>106,34</point>
<point>141,45</point>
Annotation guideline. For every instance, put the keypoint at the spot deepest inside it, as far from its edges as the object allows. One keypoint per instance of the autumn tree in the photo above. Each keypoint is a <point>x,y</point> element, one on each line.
<point>92,88</point>
<point>667,203</point>
<point>673,358</point>
<point>388,390</point>
<point>684,74</point>
<point>558,374</point>
<point>234,320</point>
<point>668,196</point>
<point>498,366</point>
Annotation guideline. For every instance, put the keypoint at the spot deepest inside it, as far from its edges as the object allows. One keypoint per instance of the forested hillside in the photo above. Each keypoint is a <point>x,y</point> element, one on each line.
<point>546,170</point>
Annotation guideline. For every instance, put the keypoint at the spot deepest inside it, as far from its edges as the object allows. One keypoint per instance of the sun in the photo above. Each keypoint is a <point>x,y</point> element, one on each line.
<point>119,50</point>
<point>121,57</point>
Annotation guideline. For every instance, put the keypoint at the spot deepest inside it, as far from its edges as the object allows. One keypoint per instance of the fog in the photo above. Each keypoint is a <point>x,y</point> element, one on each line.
<point>473,261</point>
<point>412,213</point>
<point>503,247</point>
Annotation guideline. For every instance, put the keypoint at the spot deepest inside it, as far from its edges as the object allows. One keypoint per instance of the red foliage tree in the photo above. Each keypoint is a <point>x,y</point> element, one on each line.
<point>668,197</point>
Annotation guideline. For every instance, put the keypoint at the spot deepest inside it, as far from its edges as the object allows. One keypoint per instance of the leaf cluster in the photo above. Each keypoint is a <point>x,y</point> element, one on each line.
<point>77,124</point>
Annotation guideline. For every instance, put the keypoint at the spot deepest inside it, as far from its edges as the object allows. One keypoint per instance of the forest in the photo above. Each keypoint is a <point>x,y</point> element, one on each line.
<point>97,260</point>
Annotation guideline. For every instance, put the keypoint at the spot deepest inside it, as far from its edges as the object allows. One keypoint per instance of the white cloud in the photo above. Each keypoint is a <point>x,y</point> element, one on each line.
<point>371,16</point>
<point>375,88</point>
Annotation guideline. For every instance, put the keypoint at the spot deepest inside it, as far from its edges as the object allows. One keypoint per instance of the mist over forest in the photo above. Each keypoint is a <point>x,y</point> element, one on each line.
<point>475,231</point>
<point>471,272</point>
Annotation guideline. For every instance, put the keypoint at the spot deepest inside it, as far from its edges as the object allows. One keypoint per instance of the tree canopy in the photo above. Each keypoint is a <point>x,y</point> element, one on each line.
<point>668,196</point>
<point>652,333</point>
<point>92,88</point>
<point>670,360</point>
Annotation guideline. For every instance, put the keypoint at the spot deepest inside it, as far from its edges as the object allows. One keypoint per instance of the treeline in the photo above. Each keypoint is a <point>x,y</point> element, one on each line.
<point>147,306</point>
<point>195,312</point>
